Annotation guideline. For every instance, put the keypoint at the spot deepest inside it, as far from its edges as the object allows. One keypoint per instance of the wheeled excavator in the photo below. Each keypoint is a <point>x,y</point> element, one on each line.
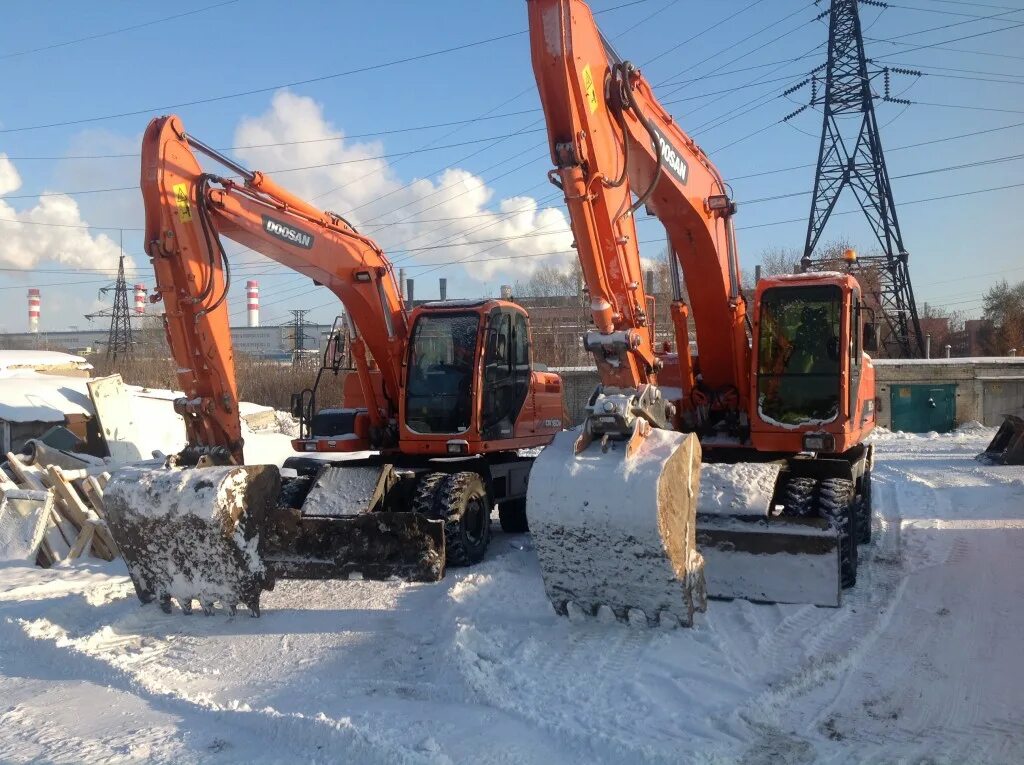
<point>777,399</point>
<point>444,395</point>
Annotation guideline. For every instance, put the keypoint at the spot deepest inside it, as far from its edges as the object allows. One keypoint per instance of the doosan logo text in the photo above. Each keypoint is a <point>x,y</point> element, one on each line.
<point>671,158</point>
<point>292,235</point>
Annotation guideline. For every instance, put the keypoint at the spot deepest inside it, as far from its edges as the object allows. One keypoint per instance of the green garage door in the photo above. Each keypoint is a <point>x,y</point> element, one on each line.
<point>923,408</point>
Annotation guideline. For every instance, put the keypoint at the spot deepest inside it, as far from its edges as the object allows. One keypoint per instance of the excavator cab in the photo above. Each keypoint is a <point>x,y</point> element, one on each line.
<point>811,377</point>
<point>468,379</point>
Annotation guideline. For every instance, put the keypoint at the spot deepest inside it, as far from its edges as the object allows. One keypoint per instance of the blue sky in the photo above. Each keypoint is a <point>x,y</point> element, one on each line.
<point>494,162</point>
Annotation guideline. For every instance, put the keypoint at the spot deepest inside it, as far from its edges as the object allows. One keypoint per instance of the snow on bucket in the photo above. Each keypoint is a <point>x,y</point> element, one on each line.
<point>193,533</point>
<point>620,533</point>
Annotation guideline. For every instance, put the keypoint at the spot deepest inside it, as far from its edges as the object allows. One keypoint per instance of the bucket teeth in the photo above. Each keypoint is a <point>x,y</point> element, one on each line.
<point>667,621</point>
<point>185,604</point>
<point>573,612</point>
<point>207,605</point>
<point>605,614</point>
<point>636,617</point>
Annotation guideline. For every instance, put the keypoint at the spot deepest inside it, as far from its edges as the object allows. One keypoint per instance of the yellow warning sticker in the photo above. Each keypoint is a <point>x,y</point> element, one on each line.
<point>181,199</point>
<point>588,86</point>
<point>904,392</point>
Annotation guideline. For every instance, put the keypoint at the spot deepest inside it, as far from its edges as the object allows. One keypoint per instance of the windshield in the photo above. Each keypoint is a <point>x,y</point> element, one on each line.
<point>799,360</point>
<point>440,384</point>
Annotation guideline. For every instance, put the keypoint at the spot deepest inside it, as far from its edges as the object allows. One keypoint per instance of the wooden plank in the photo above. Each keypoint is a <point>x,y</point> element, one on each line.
<point>77,511</point>
<point>94,492</point>
<point>25,476</point>
<point>6,484</point>
<point>61,535</point>
<point>23,519</point>
<point>93,489</point>
<point>85,539</point>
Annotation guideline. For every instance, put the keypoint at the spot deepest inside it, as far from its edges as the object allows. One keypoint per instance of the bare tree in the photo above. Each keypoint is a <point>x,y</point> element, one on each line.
<point>776,261</point>
<point>1004,307</point>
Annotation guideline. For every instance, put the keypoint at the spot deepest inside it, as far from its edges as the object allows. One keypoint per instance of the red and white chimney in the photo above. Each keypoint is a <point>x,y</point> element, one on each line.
<point>34,303</point>
<point>140,299</point>
<point>252,298</point>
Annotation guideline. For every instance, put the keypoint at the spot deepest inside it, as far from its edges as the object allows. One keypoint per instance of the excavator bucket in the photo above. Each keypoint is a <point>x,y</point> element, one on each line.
<point>1007,448</point>
<point>618,533</point>
<point>341,531</point>
<point>193,534</point>
<point>752,554</point>
<point>224,534</point>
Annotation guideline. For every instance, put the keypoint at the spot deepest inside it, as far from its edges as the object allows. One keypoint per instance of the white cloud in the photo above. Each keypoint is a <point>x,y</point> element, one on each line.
<point>63,241</point>
<point>369,193</point>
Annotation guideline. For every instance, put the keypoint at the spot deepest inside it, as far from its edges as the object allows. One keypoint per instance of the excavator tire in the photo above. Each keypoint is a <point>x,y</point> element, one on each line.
<point>424,501</point>
<point>862,510</point>
<point>466,510</point>
<point>799,497</point>
<point>836,502</point>
<point>512,515</point>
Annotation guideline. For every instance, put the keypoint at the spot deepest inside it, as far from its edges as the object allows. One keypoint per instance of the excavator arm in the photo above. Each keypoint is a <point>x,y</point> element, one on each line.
<point>617,152</point>
<point>187,210</point>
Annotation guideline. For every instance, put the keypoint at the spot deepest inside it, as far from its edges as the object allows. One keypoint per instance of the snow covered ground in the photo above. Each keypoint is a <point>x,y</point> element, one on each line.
<point>923,663</point>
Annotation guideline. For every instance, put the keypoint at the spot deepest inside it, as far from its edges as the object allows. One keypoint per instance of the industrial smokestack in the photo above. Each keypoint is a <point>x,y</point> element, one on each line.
<point>506,291</point>
<point>140,299</point>
<point>252,299</point>
<point>442,286</point>
<point>649,281</point>
<point>34,303</point>
<point>410,289</point>
<point>401,283</point>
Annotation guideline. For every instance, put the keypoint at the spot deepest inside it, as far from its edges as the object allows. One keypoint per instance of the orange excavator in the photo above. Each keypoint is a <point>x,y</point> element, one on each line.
<point>780,393</point>
<point>444,394</point>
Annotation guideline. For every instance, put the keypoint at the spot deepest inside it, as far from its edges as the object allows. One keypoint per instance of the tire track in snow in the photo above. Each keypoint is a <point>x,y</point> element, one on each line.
<point>319,738</point>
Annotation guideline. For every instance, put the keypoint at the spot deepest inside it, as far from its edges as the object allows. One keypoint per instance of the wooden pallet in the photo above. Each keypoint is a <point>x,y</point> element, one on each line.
<point>76,524</point>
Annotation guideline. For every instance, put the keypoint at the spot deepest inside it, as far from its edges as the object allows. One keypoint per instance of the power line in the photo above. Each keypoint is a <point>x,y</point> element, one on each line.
<point>388,155</point>
<point>972,20</point>
<point>660,240</point>
<point>974,16</point>
<point>295,83</point>
<point>940,43</point>
<point>116,31</point>
<point>268,89</point>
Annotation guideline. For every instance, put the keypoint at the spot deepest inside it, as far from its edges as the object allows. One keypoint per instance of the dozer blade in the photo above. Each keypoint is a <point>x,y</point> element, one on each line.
<point>343,532</point>
<point>1007,448</point>
<point>193,534</point>
<point>619,533</point>
<point>753,555</point>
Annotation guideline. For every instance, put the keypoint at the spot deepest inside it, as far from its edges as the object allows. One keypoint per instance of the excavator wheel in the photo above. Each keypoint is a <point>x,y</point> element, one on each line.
<point>466,509</point>
<point>799,496</point>
<point>862,510</point>
<point>424,501</point>
<point>836,502</point>
<point>512,515</point>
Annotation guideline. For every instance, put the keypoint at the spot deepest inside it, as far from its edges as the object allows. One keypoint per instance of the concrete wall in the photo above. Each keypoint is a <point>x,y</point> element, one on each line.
<point>577,385</point>
<point>986,388</point>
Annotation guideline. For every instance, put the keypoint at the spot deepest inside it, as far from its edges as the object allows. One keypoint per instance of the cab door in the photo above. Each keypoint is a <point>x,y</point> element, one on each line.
<point>506,373</point>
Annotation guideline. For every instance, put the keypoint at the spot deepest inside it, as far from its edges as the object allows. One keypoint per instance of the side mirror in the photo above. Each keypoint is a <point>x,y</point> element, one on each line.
<point>870,338</point>
<point>296,407</point>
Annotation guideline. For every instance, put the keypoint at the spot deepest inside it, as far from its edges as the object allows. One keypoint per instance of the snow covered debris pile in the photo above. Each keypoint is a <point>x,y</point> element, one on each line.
<point>49,362</point>
<point>194,533</point>
<point>51,506</point>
